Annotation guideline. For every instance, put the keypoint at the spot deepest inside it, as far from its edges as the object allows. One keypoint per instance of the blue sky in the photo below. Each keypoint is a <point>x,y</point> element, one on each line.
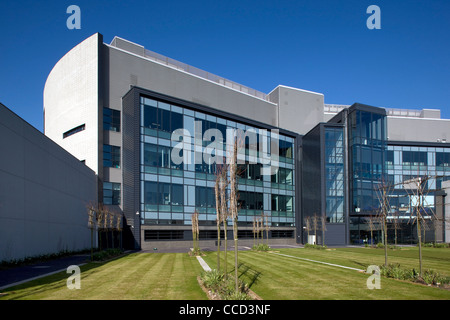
<point>321,46</point>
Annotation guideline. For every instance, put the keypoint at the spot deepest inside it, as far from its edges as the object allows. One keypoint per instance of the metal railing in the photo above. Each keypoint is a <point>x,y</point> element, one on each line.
<point>404,113</point>
<point>334,108</point>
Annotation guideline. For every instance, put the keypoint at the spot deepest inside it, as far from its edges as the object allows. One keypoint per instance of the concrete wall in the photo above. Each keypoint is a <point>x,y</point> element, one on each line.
<point>43,193</point>
<point>71,98</point>
<point>127,69</point>
<point>298,110</point>
<point>418,129</point>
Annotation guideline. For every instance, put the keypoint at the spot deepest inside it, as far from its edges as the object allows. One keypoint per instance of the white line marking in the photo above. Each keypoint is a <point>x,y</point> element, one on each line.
<point>326,263</point>
<point>203,264</point>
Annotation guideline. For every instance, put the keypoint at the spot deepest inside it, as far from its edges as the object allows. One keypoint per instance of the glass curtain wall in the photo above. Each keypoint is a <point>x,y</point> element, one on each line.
<point>367,148</point>
<point>367,153</point>
<point>334,174</point>
<point>171,192</point>
<point>407,162</point>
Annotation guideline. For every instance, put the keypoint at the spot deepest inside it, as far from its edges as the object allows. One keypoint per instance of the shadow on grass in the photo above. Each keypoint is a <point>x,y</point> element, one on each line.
<point>248,273</point>
<point>52,282</point>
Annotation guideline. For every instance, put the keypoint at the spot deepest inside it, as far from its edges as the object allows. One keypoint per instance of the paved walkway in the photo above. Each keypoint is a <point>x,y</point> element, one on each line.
<point>18,275</point>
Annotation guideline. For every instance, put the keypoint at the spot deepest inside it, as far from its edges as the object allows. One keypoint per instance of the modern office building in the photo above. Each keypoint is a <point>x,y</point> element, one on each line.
<point>154,129</point>
<point>44,193</point>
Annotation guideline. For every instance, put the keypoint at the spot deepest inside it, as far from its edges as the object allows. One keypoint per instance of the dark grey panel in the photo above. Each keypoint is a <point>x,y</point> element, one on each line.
<point>130,169</point>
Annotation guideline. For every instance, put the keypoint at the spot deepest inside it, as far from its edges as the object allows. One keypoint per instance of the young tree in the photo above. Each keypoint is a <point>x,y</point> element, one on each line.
<point>261,228</point>
<point>323,227</point>
<point>218,215</point>
<point>315,224</point>
<point>92,222</point>
<point>383,192</point>
<point>307,227</point>
<point>371,228</point>
<point>395,225</point>
<point>223,184</point>
<point>195,233</point>
<point>234,207</point>
<point>111,217</point>
<point>416,188</point>
<point>254,231</point>
<point>119,219</point>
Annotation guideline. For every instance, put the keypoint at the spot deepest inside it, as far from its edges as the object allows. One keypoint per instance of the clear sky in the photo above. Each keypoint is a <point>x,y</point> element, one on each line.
<point>316,45</point>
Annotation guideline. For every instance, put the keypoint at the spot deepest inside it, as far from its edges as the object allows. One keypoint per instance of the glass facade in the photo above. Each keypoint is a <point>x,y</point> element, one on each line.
<point>334,174</point>
<point>111,193</point>
<point>171,190</point>
<point>111,156</point>
<point>367,152</point>
<point>407,162</point>
<point>111,119</point>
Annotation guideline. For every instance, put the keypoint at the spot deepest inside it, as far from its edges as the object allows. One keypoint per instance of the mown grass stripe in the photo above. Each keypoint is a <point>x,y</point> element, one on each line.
<point>316,261</point>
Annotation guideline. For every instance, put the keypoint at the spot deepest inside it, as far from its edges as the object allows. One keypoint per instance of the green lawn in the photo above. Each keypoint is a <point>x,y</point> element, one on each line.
<point>437,259</point>
<point>172,276</point>
<point>285,278</point>
<point>158,276</point>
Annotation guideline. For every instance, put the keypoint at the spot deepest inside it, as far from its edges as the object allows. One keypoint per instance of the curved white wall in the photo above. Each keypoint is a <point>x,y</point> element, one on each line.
<point>71,98</point>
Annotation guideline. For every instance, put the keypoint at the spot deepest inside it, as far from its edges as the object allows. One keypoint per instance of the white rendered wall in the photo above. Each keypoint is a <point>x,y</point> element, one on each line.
<point>71,96</point>
<point>44,193</point>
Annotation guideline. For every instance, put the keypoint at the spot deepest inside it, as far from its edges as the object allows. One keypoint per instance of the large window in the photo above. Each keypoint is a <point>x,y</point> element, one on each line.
<point>443,160</point>
<point>165,197</point>
<point>282,205</point>
<point>111,119</point>
<point>111,193</point>
<point>283,179</point>
<point>414,158</point>
<point>111,156</point>
<point>205,198</point>
<point>286,150</point>
<point>157,159</point>
<point>334,174</point>
<point>251,201</point>
<point>159,120</point>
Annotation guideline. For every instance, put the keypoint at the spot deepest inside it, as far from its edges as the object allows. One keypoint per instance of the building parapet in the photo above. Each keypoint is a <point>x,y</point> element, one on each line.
<point>129,46</point>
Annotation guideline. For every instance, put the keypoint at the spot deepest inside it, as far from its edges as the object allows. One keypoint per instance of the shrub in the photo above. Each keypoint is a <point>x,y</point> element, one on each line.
<point>237,296</point>
<point>212,279</point>
<point>224,288</point>
<point>261,247</point>
<point>433,277</point>
<point>429,276</point>
<point>106,254</point>
<point>39,258</point>
<point>315,246</point>
<point>436,245</point>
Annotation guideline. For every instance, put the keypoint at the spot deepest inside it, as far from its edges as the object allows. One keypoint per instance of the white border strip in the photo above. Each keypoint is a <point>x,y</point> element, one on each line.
<point>203,264</point>
<point>326,263</point>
